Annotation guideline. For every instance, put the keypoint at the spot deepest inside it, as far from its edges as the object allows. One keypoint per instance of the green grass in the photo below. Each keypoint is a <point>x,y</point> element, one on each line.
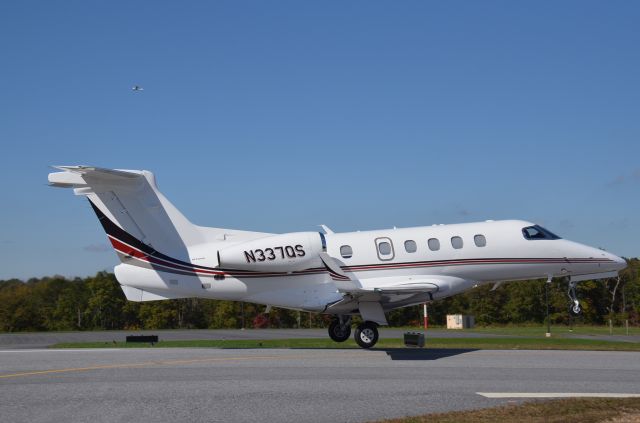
<point>432,343</point>
<point>535,330</point>
<point>562,331</point>
<point>532,344</point>
<point>583,410</point>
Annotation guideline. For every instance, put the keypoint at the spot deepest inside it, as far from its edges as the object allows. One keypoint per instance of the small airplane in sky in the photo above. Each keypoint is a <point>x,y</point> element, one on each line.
<point>137,88</point>
<point>165,256</point>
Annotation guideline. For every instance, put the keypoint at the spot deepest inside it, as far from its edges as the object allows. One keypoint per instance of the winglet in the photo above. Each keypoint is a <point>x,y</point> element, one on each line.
<point>342,281</point>
<point>326,229</point>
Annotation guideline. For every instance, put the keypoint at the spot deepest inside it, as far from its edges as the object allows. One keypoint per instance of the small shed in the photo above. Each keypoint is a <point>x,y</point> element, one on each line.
<point>460,321</point>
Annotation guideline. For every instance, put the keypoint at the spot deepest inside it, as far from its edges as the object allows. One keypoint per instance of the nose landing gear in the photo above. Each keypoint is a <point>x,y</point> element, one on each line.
<point>574,307</point>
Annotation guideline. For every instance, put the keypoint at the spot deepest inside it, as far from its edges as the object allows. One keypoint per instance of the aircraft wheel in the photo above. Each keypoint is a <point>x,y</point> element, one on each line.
<point>575,309</point>
<point>339,333</point>
<point>366,334</point>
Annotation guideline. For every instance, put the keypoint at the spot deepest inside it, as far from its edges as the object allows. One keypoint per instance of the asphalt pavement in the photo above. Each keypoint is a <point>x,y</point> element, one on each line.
<point>291,385</point>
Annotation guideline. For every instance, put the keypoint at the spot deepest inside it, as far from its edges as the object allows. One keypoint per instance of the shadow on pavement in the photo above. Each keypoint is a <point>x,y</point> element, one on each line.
<point>424,354</point>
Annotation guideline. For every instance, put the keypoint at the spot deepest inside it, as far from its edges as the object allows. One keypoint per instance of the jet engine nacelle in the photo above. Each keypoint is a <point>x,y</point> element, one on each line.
<point>278,253</point>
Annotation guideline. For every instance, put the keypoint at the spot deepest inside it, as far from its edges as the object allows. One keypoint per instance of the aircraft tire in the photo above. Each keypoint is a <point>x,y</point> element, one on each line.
<point>366,334</point>
<point>338,333</point>
<point>575,309</point>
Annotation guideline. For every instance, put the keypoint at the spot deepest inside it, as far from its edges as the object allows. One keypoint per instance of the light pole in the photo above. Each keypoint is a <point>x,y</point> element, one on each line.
<point>242,312</point>
<point>426,316</point>
<point>546,295</point>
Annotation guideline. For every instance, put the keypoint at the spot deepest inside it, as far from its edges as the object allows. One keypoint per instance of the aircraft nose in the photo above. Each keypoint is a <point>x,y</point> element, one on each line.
<point>620,263</point>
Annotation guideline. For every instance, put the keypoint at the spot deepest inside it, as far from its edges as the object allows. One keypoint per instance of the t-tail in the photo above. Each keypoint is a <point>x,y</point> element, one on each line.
<point>141,224</point>
<point>131,208</point>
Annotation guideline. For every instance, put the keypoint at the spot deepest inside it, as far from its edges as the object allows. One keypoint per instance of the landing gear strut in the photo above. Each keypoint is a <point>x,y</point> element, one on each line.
<point>340,329</point>
<point>574,307</point>
<point>366,334</point>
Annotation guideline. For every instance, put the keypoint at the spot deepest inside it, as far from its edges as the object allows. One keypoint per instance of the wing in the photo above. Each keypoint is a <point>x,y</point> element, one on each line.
<point>372,297</point>
<point>404,284</point>
<point>395,291</point>
<point>390,292</point>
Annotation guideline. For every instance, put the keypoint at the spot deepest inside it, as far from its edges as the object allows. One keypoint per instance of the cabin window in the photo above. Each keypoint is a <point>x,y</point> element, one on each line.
<point>538,232</point>
<point>434,244</point>
<point>384,247</point>
<point>346,251</point>
<point>480,240</point>
<point>456,242</point>
<point>410,246</point>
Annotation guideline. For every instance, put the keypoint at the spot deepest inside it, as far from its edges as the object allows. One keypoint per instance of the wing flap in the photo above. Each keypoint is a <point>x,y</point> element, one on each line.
<point>402,284</point>
<point>410,284</point>
<point>407,288</point>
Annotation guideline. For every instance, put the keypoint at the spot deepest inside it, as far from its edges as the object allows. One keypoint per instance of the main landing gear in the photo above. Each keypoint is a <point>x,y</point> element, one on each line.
<point>574,307</point>
<point>340,329</point>
<point>366,334</point>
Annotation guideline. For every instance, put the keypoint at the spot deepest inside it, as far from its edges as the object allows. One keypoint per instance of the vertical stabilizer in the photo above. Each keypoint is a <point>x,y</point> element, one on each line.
<point>135,214</point>
<point>131,200</point>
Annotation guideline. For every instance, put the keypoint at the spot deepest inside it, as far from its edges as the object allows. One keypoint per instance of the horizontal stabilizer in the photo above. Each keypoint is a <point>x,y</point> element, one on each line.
<point>82,176</point>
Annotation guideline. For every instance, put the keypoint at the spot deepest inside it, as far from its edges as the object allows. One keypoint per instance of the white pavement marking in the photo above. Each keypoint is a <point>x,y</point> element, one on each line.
<point>556,395</point>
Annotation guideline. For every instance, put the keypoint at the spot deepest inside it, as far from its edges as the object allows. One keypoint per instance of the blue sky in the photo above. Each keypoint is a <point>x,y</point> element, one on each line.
<point>279,116</point>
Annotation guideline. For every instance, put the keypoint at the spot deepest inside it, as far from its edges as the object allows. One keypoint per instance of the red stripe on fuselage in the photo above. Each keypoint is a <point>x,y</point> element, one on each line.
<point>128,250</point>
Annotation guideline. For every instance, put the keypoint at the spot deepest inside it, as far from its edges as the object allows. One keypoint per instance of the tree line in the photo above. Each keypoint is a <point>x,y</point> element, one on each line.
<point>97,303</point>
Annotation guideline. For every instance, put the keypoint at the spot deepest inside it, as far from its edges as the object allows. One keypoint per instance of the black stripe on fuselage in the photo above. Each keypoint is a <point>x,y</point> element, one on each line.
<point>123,236</point>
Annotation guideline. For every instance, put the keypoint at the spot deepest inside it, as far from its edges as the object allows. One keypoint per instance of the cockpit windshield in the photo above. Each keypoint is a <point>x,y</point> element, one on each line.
<point>538,232</point>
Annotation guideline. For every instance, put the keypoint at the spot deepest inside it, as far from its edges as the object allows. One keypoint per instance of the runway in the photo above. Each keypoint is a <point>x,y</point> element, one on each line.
<point>293,385</point>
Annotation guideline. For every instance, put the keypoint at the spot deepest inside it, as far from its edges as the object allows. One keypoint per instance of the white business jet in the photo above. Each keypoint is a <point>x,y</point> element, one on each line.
<point>165,256</point>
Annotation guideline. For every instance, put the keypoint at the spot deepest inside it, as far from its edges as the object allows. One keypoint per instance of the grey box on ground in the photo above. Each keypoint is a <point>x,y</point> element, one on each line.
<point>152,339</point>
<point>414,339</point>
